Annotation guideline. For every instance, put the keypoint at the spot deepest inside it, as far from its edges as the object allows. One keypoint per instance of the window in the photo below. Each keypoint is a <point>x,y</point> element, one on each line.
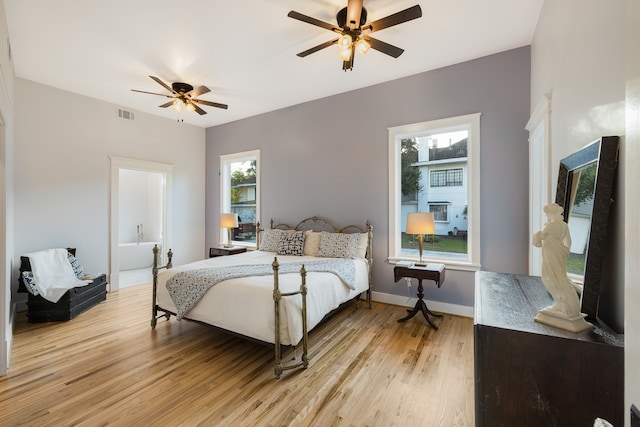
<point>446,178</point>
<point>435,167</point>
<point>240,194</point>
<point>439,212</point>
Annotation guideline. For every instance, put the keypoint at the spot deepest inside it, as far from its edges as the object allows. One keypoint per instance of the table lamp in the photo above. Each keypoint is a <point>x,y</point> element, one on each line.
<point>228,221</point>
<point>420,223</point>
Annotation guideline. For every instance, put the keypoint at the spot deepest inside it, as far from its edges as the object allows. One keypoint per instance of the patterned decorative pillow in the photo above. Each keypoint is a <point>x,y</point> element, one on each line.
<point>338,245</point>
<point>270,238</point>
<point>291,243</point>
<point>77,268</point>
<point>27,279</point>
<point>311,243</point>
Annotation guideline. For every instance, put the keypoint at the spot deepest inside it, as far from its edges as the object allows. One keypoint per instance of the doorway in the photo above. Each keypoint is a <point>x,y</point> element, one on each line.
<point>140,194</point>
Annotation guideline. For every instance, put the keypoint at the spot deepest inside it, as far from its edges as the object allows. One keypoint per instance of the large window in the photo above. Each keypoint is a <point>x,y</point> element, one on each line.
<point>240,194</point>
<point>435,167</point>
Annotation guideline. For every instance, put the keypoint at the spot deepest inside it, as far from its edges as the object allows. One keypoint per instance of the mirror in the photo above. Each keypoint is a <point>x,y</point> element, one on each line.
<point>585,190</point>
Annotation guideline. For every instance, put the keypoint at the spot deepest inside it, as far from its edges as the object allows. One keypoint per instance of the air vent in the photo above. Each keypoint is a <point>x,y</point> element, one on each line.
<point>125,114</point>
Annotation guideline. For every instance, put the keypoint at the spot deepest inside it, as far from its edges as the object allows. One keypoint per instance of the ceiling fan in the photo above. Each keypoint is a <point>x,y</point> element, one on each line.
<point>183,95</point>
<point>354,34</point>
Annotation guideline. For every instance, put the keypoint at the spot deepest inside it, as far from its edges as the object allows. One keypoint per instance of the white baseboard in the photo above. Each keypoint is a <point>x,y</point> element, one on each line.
<point>439,307</point>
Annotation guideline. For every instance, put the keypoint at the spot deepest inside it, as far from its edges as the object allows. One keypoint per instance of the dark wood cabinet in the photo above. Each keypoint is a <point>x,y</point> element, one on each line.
<point>530,374</point>
<point>222,251</point>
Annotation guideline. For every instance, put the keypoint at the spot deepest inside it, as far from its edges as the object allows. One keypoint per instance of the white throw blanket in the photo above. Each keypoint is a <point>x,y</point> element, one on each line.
<point>53,274</point>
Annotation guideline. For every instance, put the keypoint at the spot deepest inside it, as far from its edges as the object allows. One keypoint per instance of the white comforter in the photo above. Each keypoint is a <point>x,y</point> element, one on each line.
<point>245,305</point>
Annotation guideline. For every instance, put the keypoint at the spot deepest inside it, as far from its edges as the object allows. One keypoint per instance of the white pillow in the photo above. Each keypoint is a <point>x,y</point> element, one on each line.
<point>311,243</point>
<point>270,238</point>
<point>361,250</point>
<point>338,245</point>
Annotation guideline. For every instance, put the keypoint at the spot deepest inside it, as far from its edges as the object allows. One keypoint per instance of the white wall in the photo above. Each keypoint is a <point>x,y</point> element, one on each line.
<point>579,54</point>
<point>140,203</point>
<point>63,172</point>
<point>632,198</point>
<point>7,79</point>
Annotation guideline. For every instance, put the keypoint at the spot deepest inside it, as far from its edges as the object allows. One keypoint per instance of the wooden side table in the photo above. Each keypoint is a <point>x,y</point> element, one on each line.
<point>420,273</point>
<point>222,251</point>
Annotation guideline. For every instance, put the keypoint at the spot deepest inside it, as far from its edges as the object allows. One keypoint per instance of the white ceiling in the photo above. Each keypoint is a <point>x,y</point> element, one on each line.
<point>244,51</point>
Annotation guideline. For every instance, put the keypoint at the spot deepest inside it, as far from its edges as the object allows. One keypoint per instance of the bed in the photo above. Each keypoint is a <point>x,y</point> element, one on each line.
<point>276,294</point>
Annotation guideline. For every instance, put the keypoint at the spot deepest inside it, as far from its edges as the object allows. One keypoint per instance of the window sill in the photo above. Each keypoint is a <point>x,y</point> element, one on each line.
<point>451,264</point>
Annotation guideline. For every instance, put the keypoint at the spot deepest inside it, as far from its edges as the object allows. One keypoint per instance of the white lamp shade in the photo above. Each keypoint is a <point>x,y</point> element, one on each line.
<point>420,223</point>
<point>228,220</point>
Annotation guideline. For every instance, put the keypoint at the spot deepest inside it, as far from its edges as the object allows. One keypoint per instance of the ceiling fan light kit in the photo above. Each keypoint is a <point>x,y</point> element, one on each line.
<point>354,34</point>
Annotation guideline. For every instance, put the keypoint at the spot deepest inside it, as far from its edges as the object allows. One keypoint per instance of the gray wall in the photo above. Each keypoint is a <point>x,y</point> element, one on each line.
<point>329,157</point>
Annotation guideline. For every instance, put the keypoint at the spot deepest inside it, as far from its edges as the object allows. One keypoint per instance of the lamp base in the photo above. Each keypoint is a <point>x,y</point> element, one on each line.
<point>226,245</point>
<point>418,264</point>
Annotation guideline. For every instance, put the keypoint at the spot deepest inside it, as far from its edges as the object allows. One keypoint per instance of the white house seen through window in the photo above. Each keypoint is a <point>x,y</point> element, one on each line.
<point>434,167</point>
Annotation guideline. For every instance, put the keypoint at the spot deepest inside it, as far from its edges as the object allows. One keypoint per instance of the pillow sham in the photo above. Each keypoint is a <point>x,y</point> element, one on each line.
<point>338,245</point>
<point>291,243</point>
<point>270,238</point>
<point>363,242</point>
<point>312,243</point>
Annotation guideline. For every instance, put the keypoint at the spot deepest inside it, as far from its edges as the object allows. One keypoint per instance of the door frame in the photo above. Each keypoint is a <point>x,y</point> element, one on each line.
<point>539,127</point>
<point>118,163</point>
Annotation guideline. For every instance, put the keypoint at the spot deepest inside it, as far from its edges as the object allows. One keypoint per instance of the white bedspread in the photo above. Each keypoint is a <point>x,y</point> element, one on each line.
<point>245,305</point>
<point>53,274</point>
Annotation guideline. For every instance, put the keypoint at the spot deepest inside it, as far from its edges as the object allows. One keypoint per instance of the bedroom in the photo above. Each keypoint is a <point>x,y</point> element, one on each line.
<point>83,181</point>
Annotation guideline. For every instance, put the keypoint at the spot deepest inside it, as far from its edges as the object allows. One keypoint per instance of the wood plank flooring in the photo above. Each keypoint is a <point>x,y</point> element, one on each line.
<point>107,367</point>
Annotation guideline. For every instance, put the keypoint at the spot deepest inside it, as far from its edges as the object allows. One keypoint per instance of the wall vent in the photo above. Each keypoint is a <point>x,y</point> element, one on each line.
<point>125,114</point>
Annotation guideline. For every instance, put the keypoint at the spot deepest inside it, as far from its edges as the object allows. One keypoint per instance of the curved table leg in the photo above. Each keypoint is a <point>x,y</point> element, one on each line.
<point>421,306</point>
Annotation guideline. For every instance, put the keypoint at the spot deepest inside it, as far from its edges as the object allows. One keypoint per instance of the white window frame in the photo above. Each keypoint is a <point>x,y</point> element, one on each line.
<point>225,187</point>
<point>469,122</point>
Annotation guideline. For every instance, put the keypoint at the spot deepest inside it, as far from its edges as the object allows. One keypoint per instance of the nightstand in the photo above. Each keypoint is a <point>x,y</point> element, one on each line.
<point>421,273</point>
<point>222,251</point>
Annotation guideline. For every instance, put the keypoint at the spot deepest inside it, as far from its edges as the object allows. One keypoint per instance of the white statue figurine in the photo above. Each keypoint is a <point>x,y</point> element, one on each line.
<point>555,241</point>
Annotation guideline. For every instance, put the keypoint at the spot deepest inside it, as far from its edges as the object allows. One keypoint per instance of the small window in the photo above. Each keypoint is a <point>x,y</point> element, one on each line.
<point>439,211</point>
<point>239,194</point>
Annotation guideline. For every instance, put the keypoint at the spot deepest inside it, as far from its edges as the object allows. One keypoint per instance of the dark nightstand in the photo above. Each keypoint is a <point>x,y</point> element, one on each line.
<point>420,273</point>
<point>222,251</point>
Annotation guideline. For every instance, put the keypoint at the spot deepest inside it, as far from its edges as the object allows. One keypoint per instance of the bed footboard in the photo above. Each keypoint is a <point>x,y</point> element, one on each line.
<point>154,303</point>
<point>277,296</point>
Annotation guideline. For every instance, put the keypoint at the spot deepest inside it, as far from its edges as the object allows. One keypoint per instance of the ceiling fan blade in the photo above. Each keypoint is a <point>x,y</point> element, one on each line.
<point>313,21</point>
<point>152,93</point>
<point>168,104</point>
<point>395,19</point>
<point>354,9</point>
<point>198,91</point>
<point>163,84</point>
<point>317,48</point>
<point>199,110</point>
<point>383,47</point>
<point>211,104</point>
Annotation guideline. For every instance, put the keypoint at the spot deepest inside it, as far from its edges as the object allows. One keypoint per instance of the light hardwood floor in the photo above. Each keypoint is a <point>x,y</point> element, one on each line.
<point>107,367</point>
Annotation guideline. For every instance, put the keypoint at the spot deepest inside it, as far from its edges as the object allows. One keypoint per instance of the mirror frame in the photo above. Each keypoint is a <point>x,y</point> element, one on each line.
<point>605,152</point>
